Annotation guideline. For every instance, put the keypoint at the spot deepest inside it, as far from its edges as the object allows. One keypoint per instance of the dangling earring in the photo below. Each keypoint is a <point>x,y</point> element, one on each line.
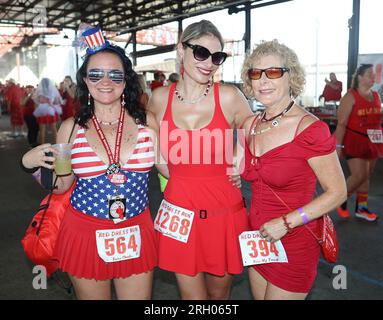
<point>182,69</point>
<point>123,100</point>
<point>88,99</point>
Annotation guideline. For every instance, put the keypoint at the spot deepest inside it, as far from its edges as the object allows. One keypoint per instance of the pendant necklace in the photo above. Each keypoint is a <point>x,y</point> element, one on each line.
<point>117,202</point>
<point>274,120</point>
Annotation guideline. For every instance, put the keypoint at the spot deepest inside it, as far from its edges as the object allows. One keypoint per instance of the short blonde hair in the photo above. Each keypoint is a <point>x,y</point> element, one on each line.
<point>289,60</point>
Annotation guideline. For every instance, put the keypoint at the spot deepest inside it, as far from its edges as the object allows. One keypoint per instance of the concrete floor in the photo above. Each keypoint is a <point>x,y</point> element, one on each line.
<point>360,241</point>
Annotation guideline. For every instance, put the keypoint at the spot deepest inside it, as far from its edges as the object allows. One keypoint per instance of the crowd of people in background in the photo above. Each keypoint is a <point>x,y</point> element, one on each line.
<point>34,108</point>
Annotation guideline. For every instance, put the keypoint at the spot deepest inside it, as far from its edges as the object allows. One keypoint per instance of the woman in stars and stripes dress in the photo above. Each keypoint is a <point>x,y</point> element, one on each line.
<point>107,233</point>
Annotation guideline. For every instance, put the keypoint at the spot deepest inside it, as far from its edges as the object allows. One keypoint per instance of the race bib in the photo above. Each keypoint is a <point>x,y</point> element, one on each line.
<point>256,250</point>
<point>173,221</point>
<point>375,135</point>
<point>119,244</point>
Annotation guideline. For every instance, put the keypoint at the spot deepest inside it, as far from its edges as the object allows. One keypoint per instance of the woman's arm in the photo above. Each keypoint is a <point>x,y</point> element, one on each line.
<point>159,161</point>
<point>71,91</point>
<point>236,110</point>
<point>24,99</point>
<point>234,104</point>
<point>344,111</point>
<point>330,176</point>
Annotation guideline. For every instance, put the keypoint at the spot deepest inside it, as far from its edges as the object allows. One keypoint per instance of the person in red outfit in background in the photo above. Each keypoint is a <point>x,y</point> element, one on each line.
<point>287,151</point>
<point>71,104</point>
<point>28,107</point>
<point>144,91</point>
<point>359,111</point>
<point>13,96</point>
<point>332,90</point>
<point>159,80</point>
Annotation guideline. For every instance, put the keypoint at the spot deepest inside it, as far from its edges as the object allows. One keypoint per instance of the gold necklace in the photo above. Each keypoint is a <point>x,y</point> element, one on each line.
<point>107,123</point>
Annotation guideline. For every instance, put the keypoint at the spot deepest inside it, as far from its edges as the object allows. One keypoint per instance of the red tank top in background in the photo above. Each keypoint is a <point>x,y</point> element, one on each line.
<point>365,114</point>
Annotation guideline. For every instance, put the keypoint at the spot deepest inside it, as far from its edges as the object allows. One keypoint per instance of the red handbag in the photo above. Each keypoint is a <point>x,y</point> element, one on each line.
<point>327,239</point>
<point>40,238</point>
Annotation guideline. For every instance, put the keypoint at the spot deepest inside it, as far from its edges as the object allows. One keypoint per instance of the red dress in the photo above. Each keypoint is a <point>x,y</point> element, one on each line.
<point>364,115</point>
<point>286,171</point>
<point>213,244</point>
<point>13,95</point>
<point>69,108</point>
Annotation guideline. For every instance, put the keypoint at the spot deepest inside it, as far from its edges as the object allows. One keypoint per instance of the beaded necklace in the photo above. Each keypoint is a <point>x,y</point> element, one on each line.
<point>178,95</point>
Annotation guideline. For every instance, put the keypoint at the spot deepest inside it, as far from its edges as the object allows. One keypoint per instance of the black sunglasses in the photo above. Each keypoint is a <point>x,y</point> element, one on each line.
<point>201,53</point>
<point>271,73</point>
<point>115,75</point>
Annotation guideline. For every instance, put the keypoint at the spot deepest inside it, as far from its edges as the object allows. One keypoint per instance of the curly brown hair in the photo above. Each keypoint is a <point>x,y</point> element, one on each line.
<point>289,60</point>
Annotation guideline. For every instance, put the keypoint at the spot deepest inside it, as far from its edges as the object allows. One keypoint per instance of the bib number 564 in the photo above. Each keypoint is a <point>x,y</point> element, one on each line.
<point>118,244</point>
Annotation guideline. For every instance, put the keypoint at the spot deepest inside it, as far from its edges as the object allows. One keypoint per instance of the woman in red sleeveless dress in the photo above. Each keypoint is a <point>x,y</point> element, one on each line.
<point>287,151</point>
<point>196,119</point>
<point>359,112</point>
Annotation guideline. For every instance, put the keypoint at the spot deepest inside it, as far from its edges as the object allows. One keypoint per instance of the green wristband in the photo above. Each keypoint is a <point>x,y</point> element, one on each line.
<point>163,182</point>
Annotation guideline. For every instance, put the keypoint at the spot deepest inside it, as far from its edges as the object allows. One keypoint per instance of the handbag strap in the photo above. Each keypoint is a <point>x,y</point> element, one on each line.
<point>280,199</point>
<point>52,188</point>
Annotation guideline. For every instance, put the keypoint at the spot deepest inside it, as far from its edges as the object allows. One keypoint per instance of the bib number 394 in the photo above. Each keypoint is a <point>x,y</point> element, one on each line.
<point>173,221</point>
<point>256,250</point>
<point>375,135</point>
<point>119,244</point>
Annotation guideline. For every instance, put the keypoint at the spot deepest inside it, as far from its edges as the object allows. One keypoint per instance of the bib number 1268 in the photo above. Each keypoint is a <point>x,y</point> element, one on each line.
<point>173,221</point>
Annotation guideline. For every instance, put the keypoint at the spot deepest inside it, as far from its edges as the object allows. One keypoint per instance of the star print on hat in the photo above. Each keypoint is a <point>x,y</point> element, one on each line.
<point>94,40</point>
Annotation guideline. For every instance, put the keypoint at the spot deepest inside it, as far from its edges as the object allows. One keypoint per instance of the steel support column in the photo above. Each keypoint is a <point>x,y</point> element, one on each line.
<point>353,41</point>
<point>247,37</point>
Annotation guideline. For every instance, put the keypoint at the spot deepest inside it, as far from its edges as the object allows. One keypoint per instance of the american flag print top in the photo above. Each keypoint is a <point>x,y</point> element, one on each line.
<point>94,189</point>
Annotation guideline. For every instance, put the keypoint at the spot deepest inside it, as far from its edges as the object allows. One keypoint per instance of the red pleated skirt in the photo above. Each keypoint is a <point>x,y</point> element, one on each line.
<point>48,119</point>
<point>76,248</point>
<point>212,247</point>
<point>359,146</point>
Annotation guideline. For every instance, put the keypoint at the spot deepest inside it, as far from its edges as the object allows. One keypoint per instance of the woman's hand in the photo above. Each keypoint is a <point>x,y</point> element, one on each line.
<point>236,180</point>
<point>37,157</point>
<point>273,230</point>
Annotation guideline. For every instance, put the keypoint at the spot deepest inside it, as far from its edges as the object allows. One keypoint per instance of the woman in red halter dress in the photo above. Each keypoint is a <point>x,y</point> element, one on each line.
<point>196,120</point>
<point>287,151</point>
